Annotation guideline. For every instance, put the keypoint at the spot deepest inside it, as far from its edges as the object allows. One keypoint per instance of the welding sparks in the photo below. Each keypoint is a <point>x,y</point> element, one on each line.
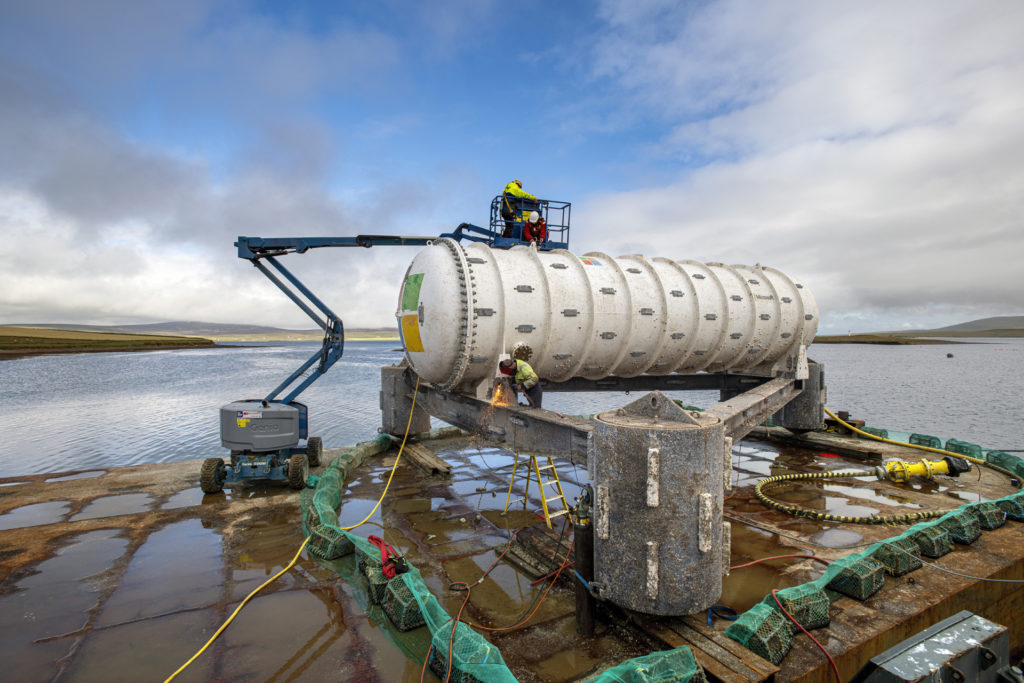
<point>503,395</point>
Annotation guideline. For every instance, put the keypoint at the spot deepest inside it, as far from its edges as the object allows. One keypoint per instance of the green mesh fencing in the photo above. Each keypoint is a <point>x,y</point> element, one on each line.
<point>400,604</point>
<point>405,600</point>
<point>861,574</point>
<point>882,433</point>
<point>376,583</point>
<point>669,666</point>
<point>1013,509</point>
<point>467,656</point>
<point>328,544</point>
<point>898,556</point>
<point>961,526</point>
<point>808,604</point>
<point>932,541</point>
<point>988,514</point>
<point>1007,461</point>
<point>859,577</point>
<point>964,448</point>
<point>925,440</point>
<point>764,631</point>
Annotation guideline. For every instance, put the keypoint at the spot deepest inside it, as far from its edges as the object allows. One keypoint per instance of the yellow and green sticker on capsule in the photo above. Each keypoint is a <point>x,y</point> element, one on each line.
<point>410,313</point>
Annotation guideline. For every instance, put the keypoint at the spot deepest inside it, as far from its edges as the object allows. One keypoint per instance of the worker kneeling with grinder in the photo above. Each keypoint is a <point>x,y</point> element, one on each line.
<point>524,379</point>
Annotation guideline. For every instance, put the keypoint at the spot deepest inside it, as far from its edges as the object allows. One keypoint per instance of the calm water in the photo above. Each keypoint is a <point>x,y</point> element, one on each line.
<point>106,409</point>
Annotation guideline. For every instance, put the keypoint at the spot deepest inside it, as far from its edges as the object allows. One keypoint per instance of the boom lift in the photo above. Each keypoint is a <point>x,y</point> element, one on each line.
<point>263,435</point>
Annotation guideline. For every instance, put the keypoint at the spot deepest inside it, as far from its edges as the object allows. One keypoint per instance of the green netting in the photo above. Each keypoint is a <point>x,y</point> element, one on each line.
<point>898,556</point>
<point>475,659</point>
<point>859,577</point>
<point>1007,461</point>
<point>961,526</point>
<point>925,440</point>
<point>988,514</point>
<point>932,541</point>
<point>764,631</point>
<point>469,658</point>
<point>669,666</point>
<point>807,603</point>
<point>328,543</point>
<point>376,583</point>
<point>861,574</point>
<point>883,433</point>
<point>1013,509</point>
<point>400,604</point>
<point>964,448</point>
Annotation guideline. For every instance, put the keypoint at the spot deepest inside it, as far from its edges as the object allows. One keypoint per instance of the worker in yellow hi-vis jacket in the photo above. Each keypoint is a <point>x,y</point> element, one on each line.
<point>508,204</point>
<point>524,379</point>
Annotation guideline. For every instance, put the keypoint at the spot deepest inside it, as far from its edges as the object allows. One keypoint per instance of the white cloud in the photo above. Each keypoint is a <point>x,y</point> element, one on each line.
<point>874,149</point>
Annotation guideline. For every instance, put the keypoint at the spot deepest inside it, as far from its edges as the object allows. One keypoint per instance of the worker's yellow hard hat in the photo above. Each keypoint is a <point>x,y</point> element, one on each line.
<point>518,182</point>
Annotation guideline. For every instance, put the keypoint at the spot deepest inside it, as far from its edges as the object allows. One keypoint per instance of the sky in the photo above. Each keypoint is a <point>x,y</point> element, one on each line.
<point>873,149</point>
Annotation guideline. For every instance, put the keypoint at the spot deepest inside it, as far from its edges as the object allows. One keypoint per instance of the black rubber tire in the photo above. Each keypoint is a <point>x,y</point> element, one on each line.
<point>211,476</point>
<point>298,470</point>
<point>314,449</point>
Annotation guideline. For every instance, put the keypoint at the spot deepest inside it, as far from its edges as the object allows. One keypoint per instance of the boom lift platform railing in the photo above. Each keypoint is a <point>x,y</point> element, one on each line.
<point>509,215</point>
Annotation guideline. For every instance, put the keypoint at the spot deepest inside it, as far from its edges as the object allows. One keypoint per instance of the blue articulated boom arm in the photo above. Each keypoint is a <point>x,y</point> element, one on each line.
<point>261,250</point>
<point>267,249</point>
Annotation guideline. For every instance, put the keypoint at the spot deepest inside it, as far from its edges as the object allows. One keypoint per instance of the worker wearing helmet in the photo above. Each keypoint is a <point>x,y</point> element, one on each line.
<point>524,379</point>
<point>536,229</point>
<point>511,195</point>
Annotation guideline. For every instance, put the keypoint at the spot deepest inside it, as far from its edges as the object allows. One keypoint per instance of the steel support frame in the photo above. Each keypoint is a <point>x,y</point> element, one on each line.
<point>545,431</point>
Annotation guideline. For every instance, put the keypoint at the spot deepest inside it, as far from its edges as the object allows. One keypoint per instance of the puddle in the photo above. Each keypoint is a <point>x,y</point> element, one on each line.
<point>354,510</point>
<point>810,494</point>
<point>248,491</point>
<point>81,475</point>
<point>14,483</point>
<point>515,518</point>
<point>36,514</point>
<point>869,493</point>
<point>309,629</point>
<point>744,588</point>
<point>53,601</point>
<point>270,543</point>
<point>148,650</point>
<point>176,568</point>
<point>837,538</point>
<point>111,506</point>
<point>559,665</point>
<point>184,499</point>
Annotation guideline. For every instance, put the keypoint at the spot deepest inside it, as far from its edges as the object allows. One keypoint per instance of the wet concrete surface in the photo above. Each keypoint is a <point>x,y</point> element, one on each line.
<point>126,573</point>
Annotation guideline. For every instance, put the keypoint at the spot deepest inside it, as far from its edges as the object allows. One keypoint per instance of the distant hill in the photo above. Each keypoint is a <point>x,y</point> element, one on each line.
<point>220,331</point>
<point>1000,326</point>
<point>1003,326</point>
<point>1006,322</point>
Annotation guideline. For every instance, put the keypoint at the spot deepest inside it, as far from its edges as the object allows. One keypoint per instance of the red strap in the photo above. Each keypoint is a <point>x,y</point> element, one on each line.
<point>386,551</point>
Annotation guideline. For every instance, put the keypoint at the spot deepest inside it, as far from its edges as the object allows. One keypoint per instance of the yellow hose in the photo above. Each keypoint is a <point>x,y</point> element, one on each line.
<point>397,458</point>
<point>878,519</point>
<point>900,443</point>
<point>239,609</point>
<point>302,547</point>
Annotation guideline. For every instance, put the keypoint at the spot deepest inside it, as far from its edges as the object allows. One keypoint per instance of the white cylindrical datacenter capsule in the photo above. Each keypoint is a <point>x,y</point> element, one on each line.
<point>592,316</point>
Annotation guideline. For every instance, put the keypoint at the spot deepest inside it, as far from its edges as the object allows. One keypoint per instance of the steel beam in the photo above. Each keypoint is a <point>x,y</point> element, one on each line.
<point>523,429</point>
<point>745,411</point>
<point>545,431</point>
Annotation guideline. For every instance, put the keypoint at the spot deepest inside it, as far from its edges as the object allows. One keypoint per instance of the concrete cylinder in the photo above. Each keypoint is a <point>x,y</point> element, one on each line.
<point>592,316</point>
<point>658,540</point>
